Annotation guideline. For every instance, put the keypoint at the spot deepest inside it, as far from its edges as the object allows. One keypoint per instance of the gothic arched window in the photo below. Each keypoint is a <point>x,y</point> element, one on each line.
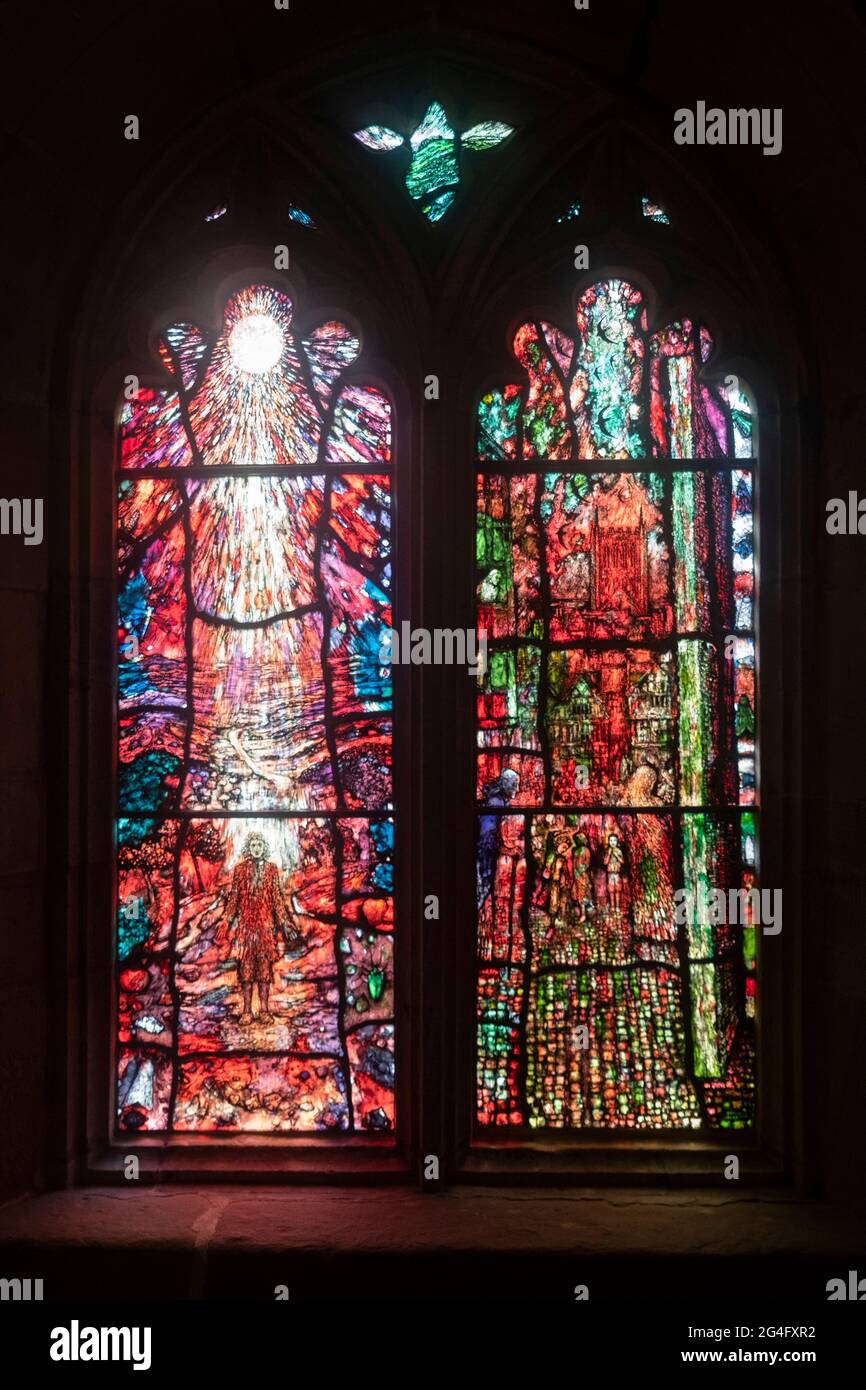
<point>255,825</point>
<point>616,730</point>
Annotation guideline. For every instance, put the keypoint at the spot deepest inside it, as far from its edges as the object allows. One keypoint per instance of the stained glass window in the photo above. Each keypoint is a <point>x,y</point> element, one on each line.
<point>298,215</point>
<point>653,211</point>
<point>616,769</point>
<point>255,817</point>
<point>433,172</point>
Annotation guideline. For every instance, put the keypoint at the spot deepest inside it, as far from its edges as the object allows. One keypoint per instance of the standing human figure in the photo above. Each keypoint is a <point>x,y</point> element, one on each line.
<point>256,912</point>
<point>613,862</point>
<point>583,877</point>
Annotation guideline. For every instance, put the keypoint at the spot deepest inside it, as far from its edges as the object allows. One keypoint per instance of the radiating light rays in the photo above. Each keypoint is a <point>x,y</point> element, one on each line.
<point>256,419</point>
<point>259,728</point>
<point>250,612</point>
<point>241,580</point>
<point>256,343</point>
<point>257,397</point>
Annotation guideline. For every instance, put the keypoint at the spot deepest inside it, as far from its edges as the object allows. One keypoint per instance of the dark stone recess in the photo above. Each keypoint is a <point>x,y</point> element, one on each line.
<point>101,239</point>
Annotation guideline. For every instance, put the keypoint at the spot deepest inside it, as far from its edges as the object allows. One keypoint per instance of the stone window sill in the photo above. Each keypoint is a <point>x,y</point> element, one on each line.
<point>185,1241</point>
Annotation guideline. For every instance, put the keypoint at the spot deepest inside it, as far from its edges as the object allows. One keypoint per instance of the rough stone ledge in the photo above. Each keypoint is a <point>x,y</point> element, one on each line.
<point>228,1241</point>
<point>506,1219</point>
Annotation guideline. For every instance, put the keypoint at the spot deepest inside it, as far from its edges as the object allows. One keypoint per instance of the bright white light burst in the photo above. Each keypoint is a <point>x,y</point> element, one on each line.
<point>256,343</point>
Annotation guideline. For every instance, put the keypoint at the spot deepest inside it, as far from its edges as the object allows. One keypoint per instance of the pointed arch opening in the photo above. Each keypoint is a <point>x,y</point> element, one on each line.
<point>617,841</point>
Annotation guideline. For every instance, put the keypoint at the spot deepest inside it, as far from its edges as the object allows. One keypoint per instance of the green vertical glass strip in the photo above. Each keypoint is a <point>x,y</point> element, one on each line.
<point>527,673</point>
<point>694,667</point>
<point>749,855</point>
<point>698,837</point>
<point>493,552</point>
<point>697,882</point>
<point>680,384</point>
<point>749,947</point>
<point>512,676</point>
<point>500,677</point>
<point>685,572</point>
<point>704,1020</point>
<point>748,833</point>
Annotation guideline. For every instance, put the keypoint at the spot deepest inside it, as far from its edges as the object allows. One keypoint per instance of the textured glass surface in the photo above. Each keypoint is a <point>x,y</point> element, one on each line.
<point>255,819</point>
<point>434,167</point>
<point>616,750</point>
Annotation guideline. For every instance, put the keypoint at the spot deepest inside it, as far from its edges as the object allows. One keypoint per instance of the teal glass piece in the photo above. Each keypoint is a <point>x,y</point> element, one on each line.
<point>298,215</point>
<point>653,211</point>
<point>434,158</point>
<point>434,169</point>
<point>439,205</point>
